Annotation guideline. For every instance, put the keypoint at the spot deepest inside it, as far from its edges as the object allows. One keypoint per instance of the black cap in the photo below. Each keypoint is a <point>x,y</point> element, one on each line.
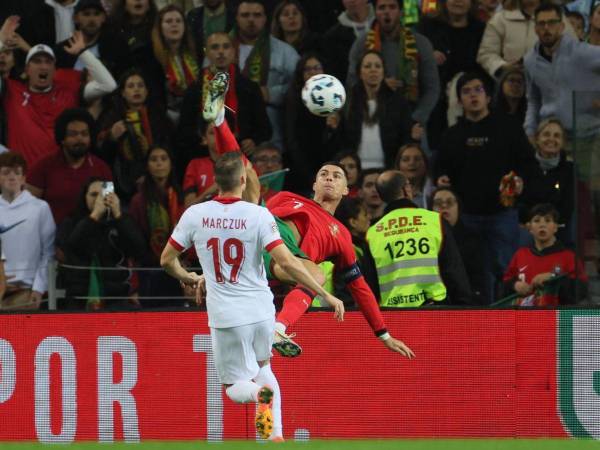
<point>89,4</point>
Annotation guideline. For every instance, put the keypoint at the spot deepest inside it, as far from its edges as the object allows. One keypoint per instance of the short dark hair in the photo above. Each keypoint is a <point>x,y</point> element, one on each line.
<point>366,172</point>
<point>72,115</point>
<point>543,209</point>
<point>336,164</point>
<point>349,208</point>
<point>577,15</point>
<point>546,7</point>
<point>260,2</point>
<point>13,159</point>
<point>267,145</point>
<point>397,1</point>
<point>470,76</point>
<point>228,169</point>
<point>393,187</point>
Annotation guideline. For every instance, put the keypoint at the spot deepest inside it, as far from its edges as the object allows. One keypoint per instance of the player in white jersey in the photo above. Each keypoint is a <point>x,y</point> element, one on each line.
<point>229,236</point>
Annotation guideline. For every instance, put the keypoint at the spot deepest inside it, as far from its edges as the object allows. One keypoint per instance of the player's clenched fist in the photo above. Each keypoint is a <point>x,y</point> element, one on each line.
<point>399,347</point>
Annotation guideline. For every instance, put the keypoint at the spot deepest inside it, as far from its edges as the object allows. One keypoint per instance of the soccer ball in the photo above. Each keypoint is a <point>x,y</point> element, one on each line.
<point>323,94</point>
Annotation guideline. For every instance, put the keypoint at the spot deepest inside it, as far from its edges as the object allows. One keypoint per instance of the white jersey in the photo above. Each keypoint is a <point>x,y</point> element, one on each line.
<point>229,236</point>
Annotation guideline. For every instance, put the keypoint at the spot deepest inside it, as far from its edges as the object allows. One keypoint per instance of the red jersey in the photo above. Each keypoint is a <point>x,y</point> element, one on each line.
<point>324,238</point>
<point>199,175</point>
<point>31,115</point>
<point>528,262</point>
<point>62,183</point>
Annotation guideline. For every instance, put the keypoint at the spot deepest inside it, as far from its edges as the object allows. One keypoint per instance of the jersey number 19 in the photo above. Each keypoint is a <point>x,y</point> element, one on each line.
<point>233,255</point>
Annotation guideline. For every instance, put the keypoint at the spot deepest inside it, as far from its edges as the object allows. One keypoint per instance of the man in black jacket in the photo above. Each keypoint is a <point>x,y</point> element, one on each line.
<point>89,18</point>
<point>246,112</point>
<point>475,155</point>
<point>213,16</point>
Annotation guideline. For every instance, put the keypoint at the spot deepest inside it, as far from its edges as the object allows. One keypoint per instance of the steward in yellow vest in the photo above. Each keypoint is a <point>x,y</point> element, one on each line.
<point>417,259</point>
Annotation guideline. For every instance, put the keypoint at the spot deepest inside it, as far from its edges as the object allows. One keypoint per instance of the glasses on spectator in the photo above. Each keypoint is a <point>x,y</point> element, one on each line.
<point>547,23</point>
<point>477,90</point>
<point>440,203</point>
<point>268,159</point>
<point>313,68</point>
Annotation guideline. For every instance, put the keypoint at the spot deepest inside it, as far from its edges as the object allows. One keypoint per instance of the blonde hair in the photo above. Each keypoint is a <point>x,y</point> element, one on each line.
<point>544,123</point>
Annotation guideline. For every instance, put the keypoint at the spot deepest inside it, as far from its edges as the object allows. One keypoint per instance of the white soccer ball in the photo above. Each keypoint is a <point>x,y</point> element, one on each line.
<point>323,94</point>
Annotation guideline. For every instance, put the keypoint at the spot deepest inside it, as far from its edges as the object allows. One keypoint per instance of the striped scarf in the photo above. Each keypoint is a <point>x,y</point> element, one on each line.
<point>408,59</point>
<point>258,62</point>
<point>181,72</point>
<point>161,220</point>
<point>139,136</point>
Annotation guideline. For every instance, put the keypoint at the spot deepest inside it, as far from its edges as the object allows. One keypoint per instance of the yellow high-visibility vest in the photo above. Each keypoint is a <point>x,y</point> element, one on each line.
<point>405,244</point>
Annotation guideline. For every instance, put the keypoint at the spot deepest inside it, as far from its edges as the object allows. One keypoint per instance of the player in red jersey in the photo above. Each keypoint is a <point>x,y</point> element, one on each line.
<point>311,227</point>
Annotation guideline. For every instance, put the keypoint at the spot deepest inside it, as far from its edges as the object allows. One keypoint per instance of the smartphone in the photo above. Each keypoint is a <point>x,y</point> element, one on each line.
<point>108,187</point>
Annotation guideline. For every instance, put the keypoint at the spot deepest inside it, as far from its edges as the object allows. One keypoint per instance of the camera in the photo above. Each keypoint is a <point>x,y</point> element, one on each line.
<point>108,187</point>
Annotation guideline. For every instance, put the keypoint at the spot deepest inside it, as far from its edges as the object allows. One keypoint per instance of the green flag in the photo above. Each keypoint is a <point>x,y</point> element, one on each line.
<point>273,180</point>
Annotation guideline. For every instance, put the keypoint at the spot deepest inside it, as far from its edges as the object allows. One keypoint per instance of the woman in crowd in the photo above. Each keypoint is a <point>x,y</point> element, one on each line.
<point>351,164</point>
<point>290,25</point>
<point>175,50</point>
<point>376,120</point>
<point>510,100</point>
<point>445,201</point>
<point>156,208</point>
<point>98,234</point>
<point>593,36</point>
<point>412,161</point>
<point>555,183</point>
<point>455,33</point>
<point>130,127</point>
<point>309,140</point>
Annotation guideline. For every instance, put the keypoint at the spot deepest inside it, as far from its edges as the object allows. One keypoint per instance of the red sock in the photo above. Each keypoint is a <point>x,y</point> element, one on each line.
<point>225,140</point>
<point>294,305</point>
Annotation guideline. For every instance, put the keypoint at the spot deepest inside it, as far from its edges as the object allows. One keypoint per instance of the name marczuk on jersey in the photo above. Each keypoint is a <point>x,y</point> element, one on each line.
<point>224,223</point>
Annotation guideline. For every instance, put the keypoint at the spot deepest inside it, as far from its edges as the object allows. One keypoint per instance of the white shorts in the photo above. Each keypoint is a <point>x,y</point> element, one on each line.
<point>237,350</point>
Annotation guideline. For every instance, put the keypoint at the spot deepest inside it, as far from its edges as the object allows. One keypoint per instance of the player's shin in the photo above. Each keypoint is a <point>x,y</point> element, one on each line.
<point>295,304</point>
<point>267,377</point>
<point>243,391</point>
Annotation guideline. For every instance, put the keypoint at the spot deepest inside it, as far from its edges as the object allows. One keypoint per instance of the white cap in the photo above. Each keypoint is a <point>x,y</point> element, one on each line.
<point>37,49</point>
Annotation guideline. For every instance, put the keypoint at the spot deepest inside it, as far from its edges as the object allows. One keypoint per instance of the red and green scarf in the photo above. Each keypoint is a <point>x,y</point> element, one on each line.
<point>408,59</point>
<point>162,220</point>
<point>258,62</point>
<point>139,139</point>
<point>181,72</point>
<point>231,100</point>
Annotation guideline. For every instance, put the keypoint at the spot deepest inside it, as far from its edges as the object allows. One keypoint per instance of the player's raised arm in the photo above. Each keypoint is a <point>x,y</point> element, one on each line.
<point>288,262</point>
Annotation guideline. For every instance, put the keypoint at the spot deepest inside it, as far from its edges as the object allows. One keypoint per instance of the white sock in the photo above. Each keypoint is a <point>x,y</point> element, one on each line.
<point>280,327</point>
<point>266,376</point>
<point>220,117</point>
<point>243,392</point>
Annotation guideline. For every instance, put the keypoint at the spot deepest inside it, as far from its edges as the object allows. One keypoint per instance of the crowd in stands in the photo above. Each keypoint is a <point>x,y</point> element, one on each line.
<point>103,144</point>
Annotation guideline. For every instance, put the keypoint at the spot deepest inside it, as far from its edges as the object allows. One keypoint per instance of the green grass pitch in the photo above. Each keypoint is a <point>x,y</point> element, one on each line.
<point>406,444</point>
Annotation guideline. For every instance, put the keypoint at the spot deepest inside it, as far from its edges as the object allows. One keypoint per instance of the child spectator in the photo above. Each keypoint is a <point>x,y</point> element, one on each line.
<point>350,162</point>
<point>28,242</point>
<point>547,273</point>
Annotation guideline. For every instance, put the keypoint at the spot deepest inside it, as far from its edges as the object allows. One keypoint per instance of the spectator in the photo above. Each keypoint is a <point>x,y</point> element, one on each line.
<point>129,129</point>
<point>475,155</point>
<point>376,120</point>
<point>156,209</point>
<point>547,273</point>
<point>132,21</point>
<point>487,8</point>
<point>510,100</point>
<point>199,179</point>
<point>96,235</point>
<point>90,18</point>
<point>368,193</point>
<point>214,16</point>
<point>28,239</point>
<point>309,140</point>
<point>354,21</point>
<point>556,184</point>
<point>412,162</point>
<point>289,24</point>
<point>557,66</point>
<point>593,37</point>
<point>577,21</point>
<point>445,201</point>
<point>420,263</point>
<point>508,36</point>
<point>175,51</point>
<point>350,162</point>
<point>246,111</point>
<point>184,5</point>
<point>267,159</point>
<point>264,59</point>
<point>57,178</point>
<point>49,22</point>
<point>455,33</point>
<point>35,105</point>
<point>410,66</point>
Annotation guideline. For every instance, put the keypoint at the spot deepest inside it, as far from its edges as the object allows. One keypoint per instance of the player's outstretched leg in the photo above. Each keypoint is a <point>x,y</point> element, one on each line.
<point>214,102</point>
<point>264,416</point>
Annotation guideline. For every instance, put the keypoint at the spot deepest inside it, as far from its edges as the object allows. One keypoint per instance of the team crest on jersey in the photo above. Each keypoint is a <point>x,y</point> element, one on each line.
<point>334,229</point>
<point>274,227</point>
